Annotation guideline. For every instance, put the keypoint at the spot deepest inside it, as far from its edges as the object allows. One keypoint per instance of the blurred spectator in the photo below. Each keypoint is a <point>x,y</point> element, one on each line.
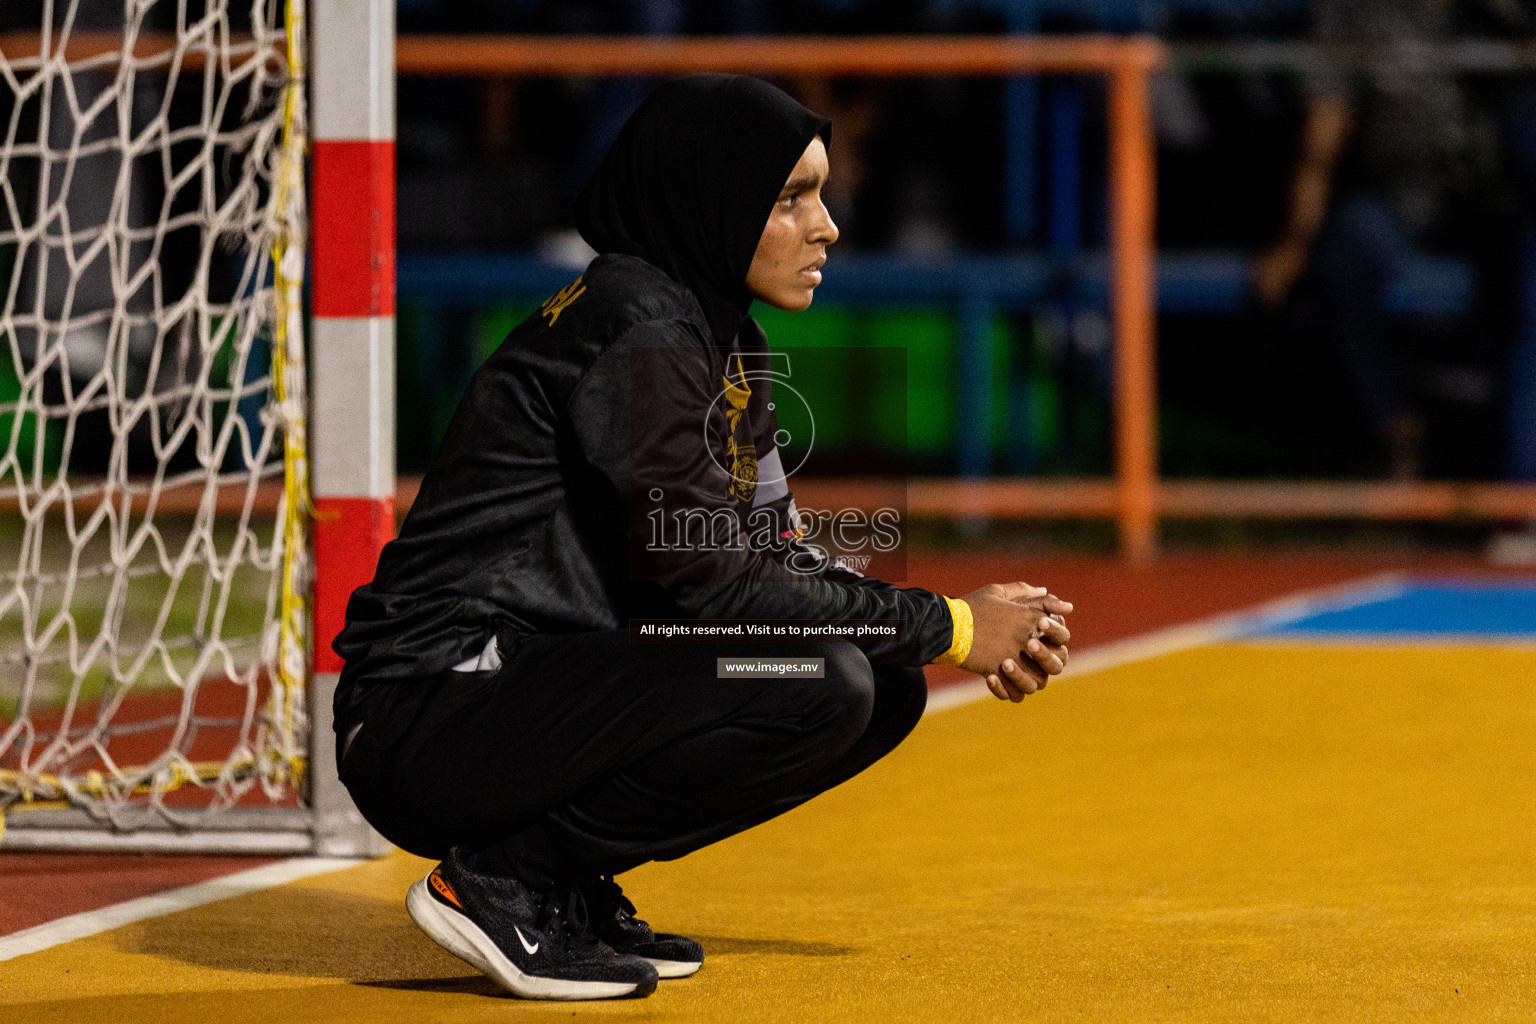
<point>854,105</point>
<point>1519,125</point>
<point>1386,152</point>
<point>1518,121</point>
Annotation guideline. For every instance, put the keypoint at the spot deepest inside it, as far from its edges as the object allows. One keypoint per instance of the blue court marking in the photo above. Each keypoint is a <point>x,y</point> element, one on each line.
<point>1428,609</point>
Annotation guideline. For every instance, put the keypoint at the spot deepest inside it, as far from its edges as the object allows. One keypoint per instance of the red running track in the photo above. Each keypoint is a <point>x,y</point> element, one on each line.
<point>1113,601</point>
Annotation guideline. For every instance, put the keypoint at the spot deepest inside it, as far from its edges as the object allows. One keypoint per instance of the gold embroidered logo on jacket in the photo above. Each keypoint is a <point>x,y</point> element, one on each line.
<point>556,303</point>
<point>742,456</point>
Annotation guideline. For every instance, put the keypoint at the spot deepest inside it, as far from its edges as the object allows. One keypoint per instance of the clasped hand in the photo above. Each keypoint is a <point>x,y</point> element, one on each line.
<point>1020,638</point>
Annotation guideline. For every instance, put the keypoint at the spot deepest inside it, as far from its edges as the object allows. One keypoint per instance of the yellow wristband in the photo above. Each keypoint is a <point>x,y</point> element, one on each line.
<point>964,633</point>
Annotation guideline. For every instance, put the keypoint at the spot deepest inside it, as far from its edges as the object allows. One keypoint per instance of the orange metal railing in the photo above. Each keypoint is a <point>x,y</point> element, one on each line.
<point>930,497</point>
<point>906,56</point>
<point>1127,63</point>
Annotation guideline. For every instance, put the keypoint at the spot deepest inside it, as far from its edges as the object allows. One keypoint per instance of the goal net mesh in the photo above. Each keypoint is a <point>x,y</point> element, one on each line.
<point>152,649</point>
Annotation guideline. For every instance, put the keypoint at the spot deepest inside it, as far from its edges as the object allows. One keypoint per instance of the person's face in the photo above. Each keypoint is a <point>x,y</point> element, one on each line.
<point>787,265</point>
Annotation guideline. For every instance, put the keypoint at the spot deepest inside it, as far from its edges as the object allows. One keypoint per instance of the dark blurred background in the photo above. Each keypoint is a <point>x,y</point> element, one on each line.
<point>1345,223</point>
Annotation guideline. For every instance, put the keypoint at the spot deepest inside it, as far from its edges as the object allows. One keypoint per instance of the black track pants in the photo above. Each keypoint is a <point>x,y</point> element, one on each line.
<point>587,753</point>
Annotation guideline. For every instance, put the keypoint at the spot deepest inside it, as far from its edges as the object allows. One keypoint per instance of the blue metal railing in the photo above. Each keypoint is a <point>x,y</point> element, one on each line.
<point>975,286</point>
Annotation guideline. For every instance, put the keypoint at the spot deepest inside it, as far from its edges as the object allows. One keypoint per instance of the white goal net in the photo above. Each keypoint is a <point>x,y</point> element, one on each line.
<point>152,498</point>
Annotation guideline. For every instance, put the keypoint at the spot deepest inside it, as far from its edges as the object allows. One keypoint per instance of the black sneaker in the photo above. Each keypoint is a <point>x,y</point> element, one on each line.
<point>537,945</point>
<point>613,920</point>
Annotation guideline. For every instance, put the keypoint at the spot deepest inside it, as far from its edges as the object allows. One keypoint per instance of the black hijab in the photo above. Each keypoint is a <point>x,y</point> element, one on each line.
<point>690,181</point>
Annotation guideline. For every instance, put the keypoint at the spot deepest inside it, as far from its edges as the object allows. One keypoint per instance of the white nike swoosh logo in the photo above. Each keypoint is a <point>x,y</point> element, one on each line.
<point>531,949</point>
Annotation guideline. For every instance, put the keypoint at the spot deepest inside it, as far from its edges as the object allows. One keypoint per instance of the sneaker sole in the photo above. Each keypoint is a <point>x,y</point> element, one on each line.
<point>464,939</point>
<point>674,968</point>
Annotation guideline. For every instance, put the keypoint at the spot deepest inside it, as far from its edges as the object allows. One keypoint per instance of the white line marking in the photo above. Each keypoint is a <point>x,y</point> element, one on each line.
<point>1432,641</point>
<point>952,695</point>
<point>94,922</point>
<point>1214,629</point>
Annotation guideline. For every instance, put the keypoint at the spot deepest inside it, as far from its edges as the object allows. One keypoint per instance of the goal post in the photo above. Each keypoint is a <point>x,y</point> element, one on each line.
<point>157,435</point>
<point>353,354</point>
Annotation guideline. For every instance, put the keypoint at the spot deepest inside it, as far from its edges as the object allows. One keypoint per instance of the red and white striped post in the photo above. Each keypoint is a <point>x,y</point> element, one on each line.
<point>352,388</point>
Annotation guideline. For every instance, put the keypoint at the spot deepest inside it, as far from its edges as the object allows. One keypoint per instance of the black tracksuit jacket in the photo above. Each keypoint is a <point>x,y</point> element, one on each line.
<point>523,520</point>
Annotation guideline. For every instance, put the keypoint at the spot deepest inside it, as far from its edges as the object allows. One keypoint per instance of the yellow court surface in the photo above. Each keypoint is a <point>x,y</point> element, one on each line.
<point>1241,832</point>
